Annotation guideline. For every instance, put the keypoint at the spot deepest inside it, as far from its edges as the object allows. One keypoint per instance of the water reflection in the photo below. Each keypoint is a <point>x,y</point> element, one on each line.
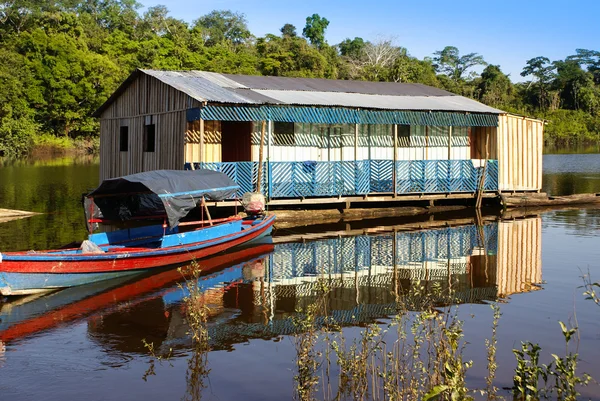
<point>567,174</point>
<point>253,296</point>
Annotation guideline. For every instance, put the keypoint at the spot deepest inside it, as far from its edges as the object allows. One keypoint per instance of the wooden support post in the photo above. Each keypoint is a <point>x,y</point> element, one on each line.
<point>394,186</point>
<point>261,147</point>
<point>328,144</point>
<point>450,143</point>
<point>207,212</point>
<point>426,142</point>
<point>369,141</point>
<point>269,140</point>
<point>202,158</point>
<point>355,142</point>
<point>482,178</point>
<point>395,262</point>
<point>341,135</point>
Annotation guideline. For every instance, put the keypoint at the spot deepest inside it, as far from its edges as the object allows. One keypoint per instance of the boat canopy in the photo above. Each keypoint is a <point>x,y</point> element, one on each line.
<point>154,193</point>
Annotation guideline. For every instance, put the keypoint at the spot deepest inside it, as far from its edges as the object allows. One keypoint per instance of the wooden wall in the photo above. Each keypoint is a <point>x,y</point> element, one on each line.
<point>206,147</point>
<point>145,98</point>
<point>520,143</point>
<point>519,256</point>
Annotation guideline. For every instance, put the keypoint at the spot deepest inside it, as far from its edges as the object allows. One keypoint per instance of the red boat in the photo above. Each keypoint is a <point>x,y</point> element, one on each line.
<point>169,195</point>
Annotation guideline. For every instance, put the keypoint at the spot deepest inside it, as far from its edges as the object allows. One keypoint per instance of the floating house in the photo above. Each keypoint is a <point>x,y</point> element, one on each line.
<point>305,140</point>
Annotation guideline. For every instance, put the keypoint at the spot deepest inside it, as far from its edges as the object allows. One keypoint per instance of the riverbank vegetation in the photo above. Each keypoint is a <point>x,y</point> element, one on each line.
<point>60,60</point>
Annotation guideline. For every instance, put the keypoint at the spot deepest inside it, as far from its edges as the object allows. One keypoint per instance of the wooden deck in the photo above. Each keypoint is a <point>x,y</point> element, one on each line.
<point>347,201</point>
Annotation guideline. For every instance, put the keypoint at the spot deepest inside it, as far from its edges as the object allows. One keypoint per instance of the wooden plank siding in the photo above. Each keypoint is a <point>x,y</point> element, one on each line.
<point>167,106</point>
<point>519,145</point>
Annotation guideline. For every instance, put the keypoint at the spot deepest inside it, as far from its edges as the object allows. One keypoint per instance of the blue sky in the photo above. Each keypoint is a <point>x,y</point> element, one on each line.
<point>507,33</point>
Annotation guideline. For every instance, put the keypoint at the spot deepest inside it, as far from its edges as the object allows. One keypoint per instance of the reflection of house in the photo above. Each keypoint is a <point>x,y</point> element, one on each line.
<point>321,138</point>
<point>364,268</point>
<point>364,274</point>
<point>519,256</point>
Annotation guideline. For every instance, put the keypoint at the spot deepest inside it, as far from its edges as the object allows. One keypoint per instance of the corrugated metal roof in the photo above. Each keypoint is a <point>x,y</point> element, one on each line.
<point>337,85</point>
<point>386,102</point>
<point>200,86</point>
<point>213,87</point>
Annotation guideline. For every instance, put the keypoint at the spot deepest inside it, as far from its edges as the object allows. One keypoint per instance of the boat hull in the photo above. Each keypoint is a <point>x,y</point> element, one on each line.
<point>29,273</point>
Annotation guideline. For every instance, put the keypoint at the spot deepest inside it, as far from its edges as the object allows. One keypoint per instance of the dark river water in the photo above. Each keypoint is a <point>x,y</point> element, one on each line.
<point>90,342</point>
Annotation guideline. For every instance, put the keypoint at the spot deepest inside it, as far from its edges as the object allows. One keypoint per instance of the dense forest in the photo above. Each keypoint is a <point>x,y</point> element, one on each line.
<point>61,59</point>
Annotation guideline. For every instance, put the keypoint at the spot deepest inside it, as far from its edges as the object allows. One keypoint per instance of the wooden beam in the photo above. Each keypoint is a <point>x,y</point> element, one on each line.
<point>369,141</point>
<point>269,140</point>
<point>201,157</point>
<point>450,143</point>
<point>426,142</point>
<point>394,185</point>
<point>355,142</point>
<point>359,199</point>
<point>261,147</point>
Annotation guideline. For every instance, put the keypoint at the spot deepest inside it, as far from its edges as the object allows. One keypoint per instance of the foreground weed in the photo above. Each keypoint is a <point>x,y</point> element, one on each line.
<point>197,317</point>
<point>308,358</point>
<point>563,370</point>
<point>560,376</point>
<point>151,371</point>
<point>356,363</point>
<point>492,365</point>
<point>528,372</point>
<point>590,288</point>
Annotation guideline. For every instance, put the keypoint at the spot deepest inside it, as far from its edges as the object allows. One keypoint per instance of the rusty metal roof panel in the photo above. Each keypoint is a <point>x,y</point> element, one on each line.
<point>386,102</point>
<point>336,85</point>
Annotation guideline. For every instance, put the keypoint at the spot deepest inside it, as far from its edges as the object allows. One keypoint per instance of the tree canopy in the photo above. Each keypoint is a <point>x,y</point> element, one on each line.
<point>61,59</point>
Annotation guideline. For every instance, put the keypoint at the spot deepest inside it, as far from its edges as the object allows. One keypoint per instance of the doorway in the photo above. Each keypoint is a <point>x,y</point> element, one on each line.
<point>236,138</point>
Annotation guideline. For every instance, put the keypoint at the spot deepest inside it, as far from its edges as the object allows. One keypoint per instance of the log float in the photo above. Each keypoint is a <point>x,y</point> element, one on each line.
<point>542,199</point>
<point>10,214</point>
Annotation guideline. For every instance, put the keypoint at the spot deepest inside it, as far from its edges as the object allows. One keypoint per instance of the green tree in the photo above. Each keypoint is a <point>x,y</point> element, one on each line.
<point>450,63</point>
<point>289,30</point>
<point>17,125</point>
<point>352,48</point>
<point>289,56</point>
<point>315,29</point>
<point>224,26</point>
<point>569,81</point>
<point>413,70</point>
<point>589,58</point>
<point>543,72</point>
<point>72,80</point>
<point>494,87</point>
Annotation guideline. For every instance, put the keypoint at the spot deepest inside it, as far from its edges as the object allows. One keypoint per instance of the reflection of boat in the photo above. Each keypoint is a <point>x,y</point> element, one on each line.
<point>169,195</point>
<point>24,316</point>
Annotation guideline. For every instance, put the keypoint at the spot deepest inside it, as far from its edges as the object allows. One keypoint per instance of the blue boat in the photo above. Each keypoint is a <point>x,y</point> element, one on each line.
<point>164,195</point>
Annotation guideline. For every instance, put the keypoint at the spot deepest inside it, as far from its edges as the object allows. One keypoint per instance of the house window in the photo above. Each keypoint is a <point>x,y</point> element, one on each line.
<point>283,134</point>
<point>149,137</point>
<point>124,139</point>
<point>403,136</point>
